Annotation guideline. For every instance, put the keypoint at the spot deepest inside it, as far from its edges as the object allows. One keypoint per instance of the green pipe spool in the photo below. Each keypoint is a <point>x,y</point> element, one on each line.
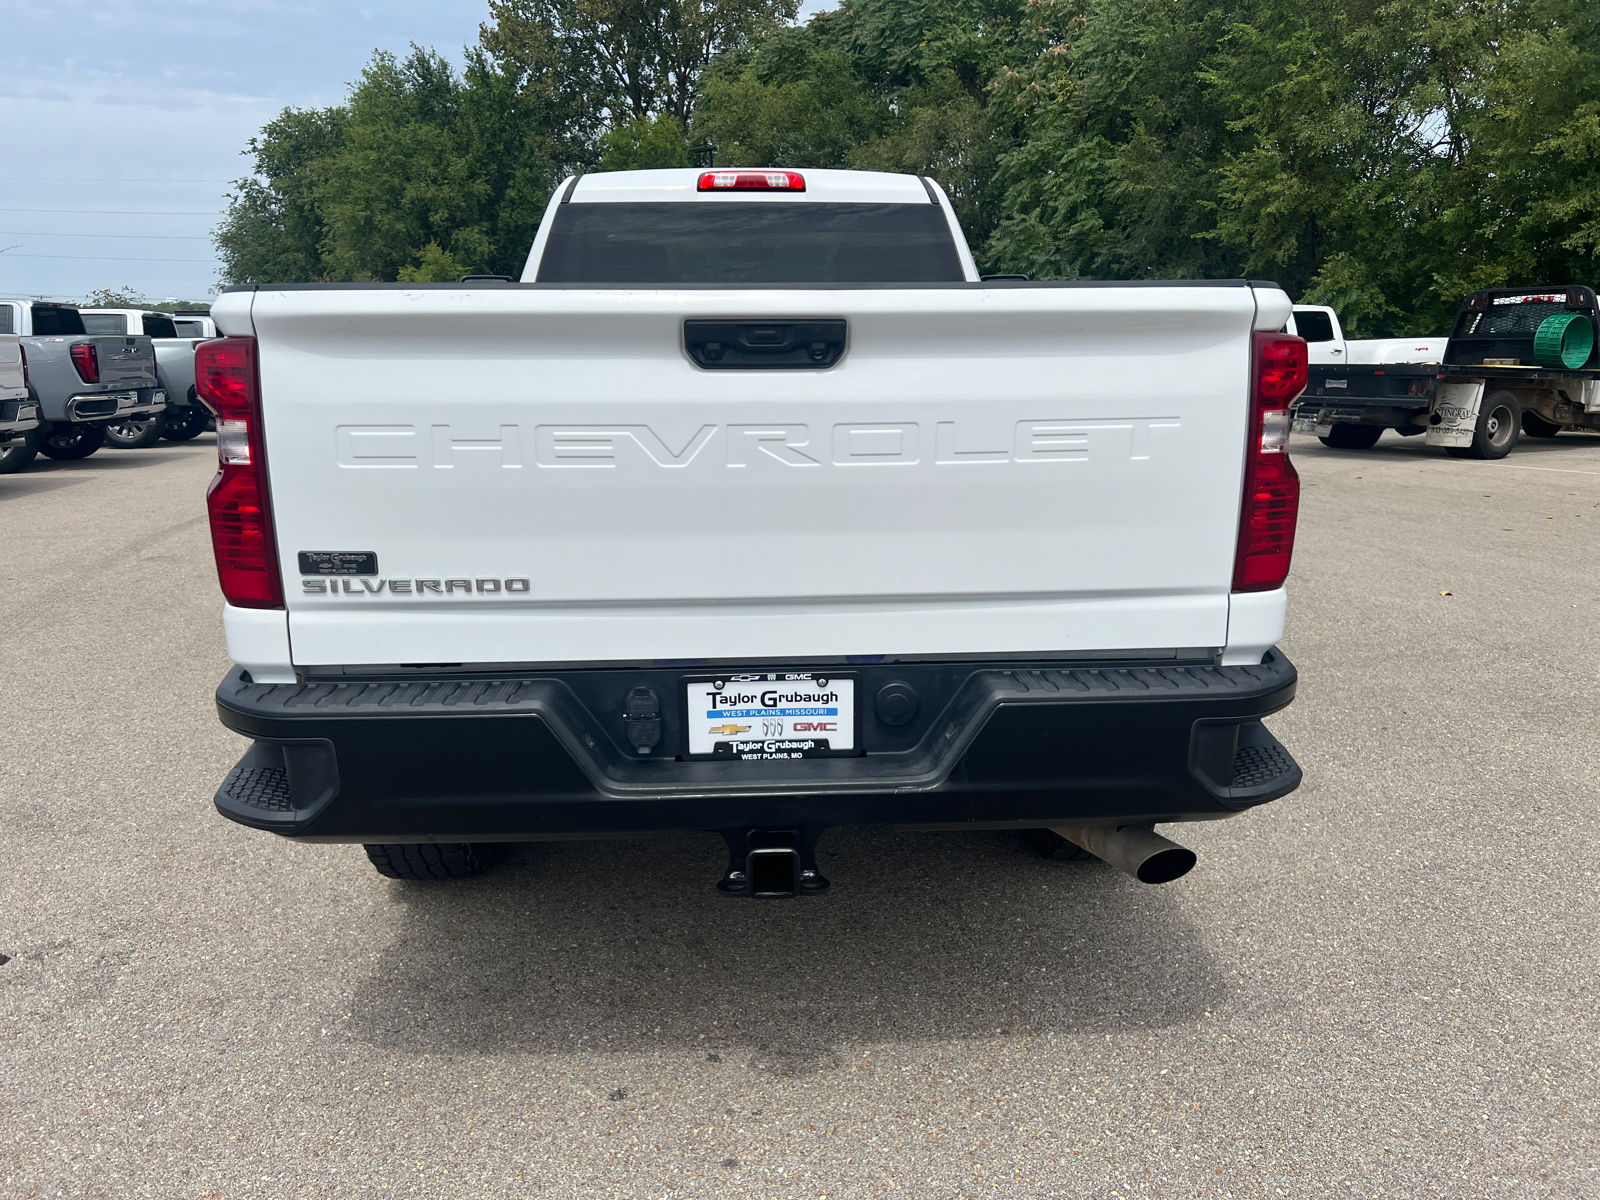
<point>1564,340</point>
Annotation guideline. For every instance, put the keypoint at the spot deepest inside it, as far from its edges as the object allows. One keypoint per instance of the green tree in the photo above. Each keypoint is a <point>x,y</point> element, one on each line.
<point>274,227</point>
<point>1114,174</point>
<point>873,85</point>
<point>1383,156</point>
<point>122,297</point>
<point>644,143</point>
<point>402,180</point>
<point>1532,138</point>
<point>611,62</point>
<point>422,174</point>
<point>791,103</point>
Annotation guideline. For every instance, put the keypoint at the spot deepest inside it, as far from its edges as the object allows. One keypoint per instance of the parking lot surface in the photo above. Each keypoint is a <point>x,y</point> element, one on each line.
<point>1382,985</point>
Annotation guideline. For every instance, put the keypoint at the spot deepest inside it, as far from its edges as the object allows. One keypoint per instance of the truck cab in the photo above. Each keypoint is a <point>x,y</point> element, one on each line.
<point>1327,345</point>
<point>194,324</point>
<point>1319,326</point>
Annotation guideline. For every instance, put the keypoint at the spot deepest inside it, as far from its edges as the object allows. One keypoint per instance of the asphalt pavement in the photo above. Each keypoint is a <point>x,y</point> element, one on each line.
<point>1383,985</point>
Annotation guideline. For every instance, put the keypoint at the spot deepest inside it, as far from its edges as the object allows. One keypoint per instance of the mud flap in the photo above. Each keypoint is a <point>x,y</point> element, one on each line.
<point>1453,419</point>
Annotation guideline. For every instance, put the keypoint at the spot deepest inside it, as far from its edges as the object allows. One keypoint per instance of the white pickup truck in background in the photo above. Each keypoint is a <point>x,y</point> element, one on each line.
<point>19,413</point>
<point>1356,389</point>
<point>194,324</point>
<point>1326,344</point>
<point>751,509</point>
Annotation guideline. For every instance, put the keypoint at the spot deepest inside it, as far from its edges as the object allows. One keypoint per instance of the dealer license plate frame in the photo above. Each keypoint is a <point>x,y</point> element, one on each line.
<point>821,679</point>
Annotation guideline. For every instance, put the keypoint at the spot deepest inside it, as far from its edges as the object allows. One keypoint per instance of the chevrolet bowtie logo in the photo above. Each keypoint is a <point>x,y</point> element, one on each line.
<point>729,730</point>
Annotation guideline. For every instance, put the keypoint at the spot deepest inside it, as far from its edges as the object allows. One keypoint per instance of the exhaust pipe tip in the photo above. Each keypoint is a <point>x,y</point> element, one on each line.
<point>1136,849</point>
<point>1166,865</point>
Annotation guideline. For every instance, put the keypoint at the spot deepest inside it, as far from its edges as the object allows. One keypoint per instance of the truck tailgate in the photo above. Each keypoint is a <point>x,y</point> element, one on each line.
<point>542,475</point>
<point>11,376</point>
<point>127,362</point>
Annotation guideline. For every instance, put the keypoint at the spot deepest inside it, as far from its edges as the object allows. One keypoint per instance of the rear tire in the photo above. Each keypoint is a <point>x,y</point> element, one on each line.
<point>1353,437</point>
<point>1496,434</point>
<point>184,424</point>
<point>430,860</point>
<point>19,454</point>
<point>66,443</point>
<point>134,435</point>
<point>1536,426</point>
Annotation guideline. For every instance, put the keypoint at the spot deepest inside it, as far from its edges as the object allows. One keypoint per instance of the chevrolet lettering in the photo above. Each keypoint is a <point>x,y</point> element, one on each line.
<point>756,510</point>
<point>790,444</point>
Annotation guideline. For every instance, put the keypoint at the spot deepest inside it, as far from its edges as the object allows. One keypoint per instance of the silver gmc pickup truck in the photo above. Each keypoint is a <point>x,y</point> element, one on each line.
<point>80,381</point>
<point>185,417</point>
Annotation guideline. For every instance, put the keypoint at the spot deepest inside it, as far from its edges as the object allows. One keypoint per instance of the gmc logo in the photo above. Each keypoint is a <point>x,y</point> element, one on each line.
<point>736,447</point>
<point>815,726</point>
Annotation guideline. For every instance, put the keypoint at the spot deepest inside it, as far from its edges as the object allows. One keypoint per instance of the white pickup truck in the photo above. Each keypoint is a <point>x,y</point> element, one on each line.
<point>1357,389</point>
<point>19,412</point>
<point>751,508</point>
<point>1326,345</point>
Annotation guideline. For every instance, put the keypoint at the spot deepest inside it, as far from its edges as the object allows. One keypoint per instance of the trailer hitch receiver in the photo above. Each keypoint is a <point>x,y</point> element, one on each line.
<point>772,864</point>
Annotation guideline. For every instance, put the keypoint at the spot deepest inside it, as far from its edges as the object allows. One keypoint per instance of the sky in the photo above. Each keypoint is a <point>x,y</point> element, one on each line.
<point>122,124</point>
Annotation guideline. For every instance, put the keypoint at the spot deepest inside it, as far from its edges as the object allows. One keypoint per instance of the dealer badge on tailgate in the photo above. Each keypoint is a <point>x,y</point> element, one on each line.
<point>770,717</point>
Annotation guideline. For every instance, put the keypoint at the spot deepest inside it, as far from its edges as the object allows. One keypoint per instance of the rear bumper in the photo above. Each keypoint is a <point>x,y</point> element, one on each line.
<point>546,756</point>
<point>109,406</point>
<point>17,417</point>
<point>1389,411</point>
<point>1393,395</point>
<point>1309,415</point>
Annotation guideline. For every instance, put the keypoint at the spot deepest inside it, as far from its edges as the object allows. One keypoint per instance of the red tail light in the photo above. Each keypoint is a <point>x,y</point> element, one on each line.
<point>241,512</point>
<point>87,361</point>
<point>1278,372</point>
<point>774,181</point>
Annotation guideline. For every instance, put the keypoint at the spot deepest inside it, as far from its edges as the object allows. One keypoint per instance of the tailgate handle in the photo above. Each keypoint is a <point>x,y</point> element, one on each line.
<point>733,345</point>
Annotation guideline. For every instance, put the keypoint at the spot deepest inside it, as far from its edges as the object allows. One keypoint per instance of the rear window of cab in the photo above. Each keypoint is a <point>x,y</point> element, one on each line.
<point>755,243</point>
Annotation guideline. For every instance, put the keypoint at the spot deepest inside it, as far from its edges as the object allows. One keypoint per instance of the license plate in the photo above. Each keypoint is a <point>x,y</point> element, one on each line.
<point>771,716</point>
